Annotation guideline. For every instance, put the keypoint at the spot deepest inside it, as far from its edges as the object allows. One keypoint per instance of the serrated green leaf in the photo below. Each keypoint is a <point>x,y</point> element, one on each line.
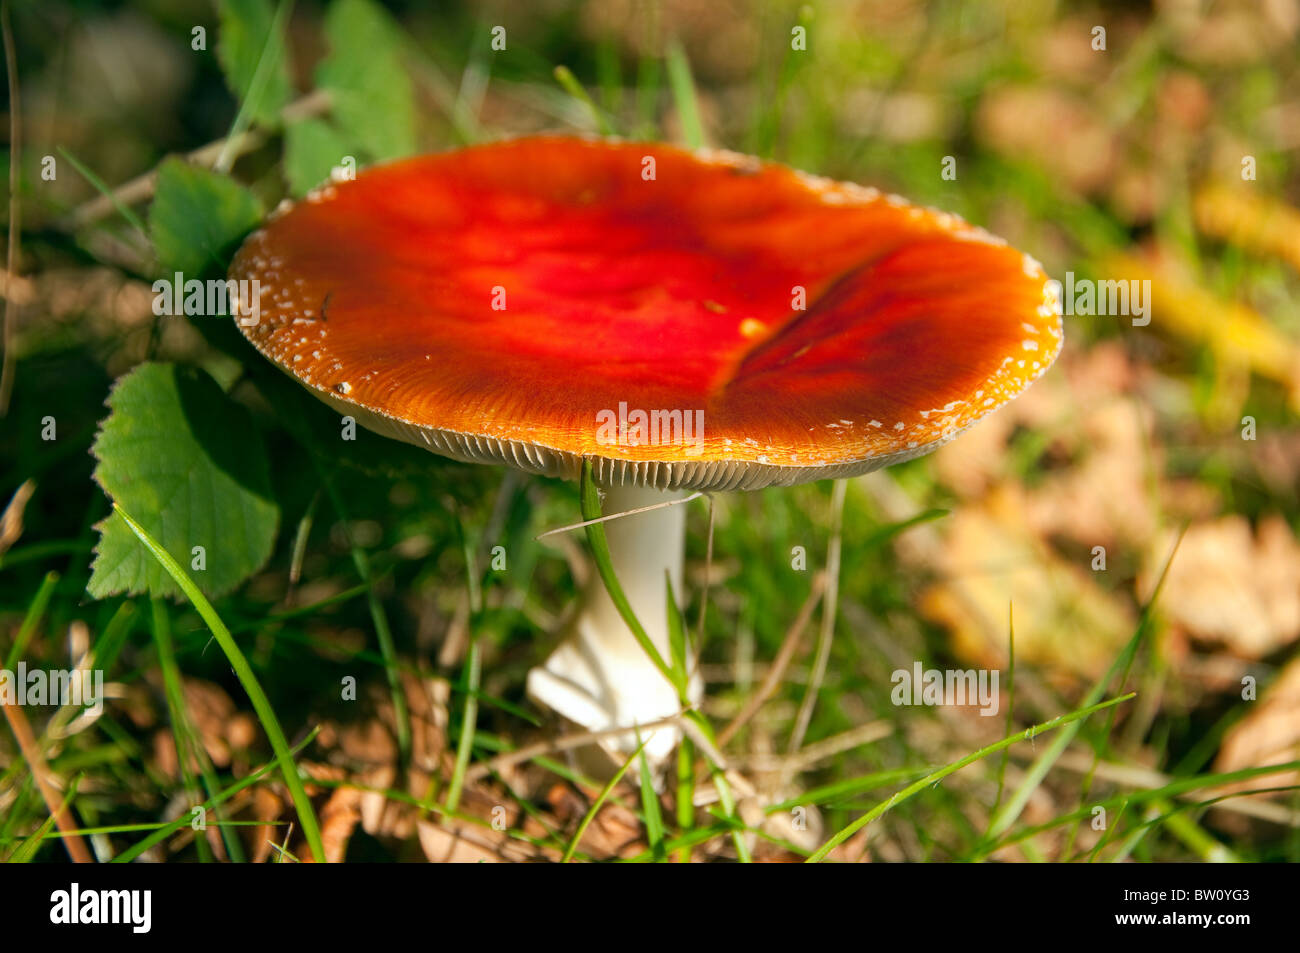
<point>249,37</point>
<point>373,102</point>
<point>197,217</point>
<point>312,148</point>
<point>185,461</point>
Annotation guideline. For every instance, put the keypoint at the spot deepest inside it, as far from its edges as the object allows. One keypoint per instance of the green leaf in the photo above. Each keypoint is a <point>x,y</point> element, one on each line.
<point>185,460</point>
<point>312,148</point>
<point>198,217</point>
<point>250,40</point>
<point>373,102</point>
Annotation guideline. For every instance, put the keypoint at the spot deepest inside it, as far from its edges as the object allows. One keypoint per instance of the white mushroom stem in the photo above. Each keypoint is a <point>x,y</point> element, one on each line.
<point>600,677</point>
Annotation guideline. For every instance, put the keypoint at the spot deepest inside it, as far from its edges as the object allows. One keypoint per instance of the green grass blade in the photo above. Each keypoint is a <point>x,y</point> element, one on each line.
<point>473,669</point>
<point>725,797</point>
<point>1011,703</point>
<point>595,805</point>
<point>1005,817</point>
<point>847,788</point>
<point>654,821</point>
<point>276,618</point>
<point>693,838</point>
<point>261,705</point>
<point>609,75</point>
<point>183,735</point>
<point>378,618</point>
<point>186,737</point>
<point>465,743</point>
<point>18,806</point>
<point>243,118</point>
<point>1193,835</point>
<point>39,551</point>
<point>564,76</point>
<point>158,836</point>
<point>684,95</point>
<point>110,641</point>
<point>935,776</point>
<point>647,97</point>
<point>131,218</point>
<point>605,566</point>
<point>1173,789</point>
<point>677,648</point>
<point>33,617</point>
<point>685,794</point>
<point>886,533</point>
<point>28,848</point>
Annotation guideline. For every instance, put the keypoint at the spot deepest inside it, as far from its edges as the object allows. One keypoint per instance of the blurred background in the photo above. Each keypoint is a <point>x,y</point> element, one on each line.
<point>1151,141</point>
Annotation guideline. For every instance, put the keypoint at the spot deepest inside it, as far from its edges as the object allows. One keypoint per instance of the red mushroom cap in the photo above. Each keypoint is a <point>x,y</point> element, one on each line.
<point>500,303</point>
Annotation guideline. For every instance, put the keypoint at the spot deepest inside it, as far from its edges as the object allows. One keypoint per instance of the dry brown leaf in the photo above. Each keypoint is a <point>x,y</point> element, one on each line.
<point>1270,734</point>
<point>427,699</point>
<point>1232,32</point>
<point>853,850</point>
<point>1106,433</point>
<point>1031,121</point>
<point>1256,223</point>
<point>267,807</point>
<point>442,846</point>
<point>613,832</point>
<point>220,729</point>
<point>1103,499</point>
<point>1241,339</point>
<point>459,842</point>
<point>367,743</point>
<point>1231,587</point>
<point>990,561</point>
<point>11,522</point>
<point>338,818</point>
<point>373,802</point>
<point>979,459</point>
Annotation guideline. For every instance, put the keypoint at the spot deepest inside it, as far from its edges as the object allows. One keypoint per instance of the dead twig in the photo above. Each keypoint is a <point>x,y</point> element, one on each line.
<point>563,743</point>
<point>11,521</point>
<point>63,818</point>
<point>141,188</point>
<point>829,608</point>
<point>15,211</point>
<point>813,754</point>
<point>616,516</point>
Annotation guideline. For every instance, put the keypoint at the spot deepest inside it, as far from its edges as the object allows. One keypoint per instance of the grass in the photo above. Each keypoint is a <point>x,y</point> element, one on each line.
<point>261,704</point>
<point>387,556</point>
<point>934,777</point>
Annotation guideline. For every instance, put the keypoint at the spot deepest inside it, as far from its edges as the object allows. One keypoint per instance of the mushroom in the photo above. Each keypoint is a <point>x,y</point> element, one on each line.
<point>682,320</point>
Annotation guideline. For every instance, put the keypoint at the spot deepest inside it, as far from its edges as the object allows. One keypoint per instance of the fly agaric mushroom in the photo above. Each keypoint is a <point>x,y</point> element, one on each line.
<point>683,320</point>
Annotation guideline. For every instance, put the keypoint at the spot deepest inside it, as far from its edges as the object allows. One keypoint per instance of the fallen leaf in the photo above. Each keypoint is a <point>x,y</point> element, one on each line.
<point>1030,122</point>
<point>338,818</point>
<point>1230,586</point>
<point>990,560</point>
<point>1258,224</point>
<point>1270,734</point>
<point>1241,339</point>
